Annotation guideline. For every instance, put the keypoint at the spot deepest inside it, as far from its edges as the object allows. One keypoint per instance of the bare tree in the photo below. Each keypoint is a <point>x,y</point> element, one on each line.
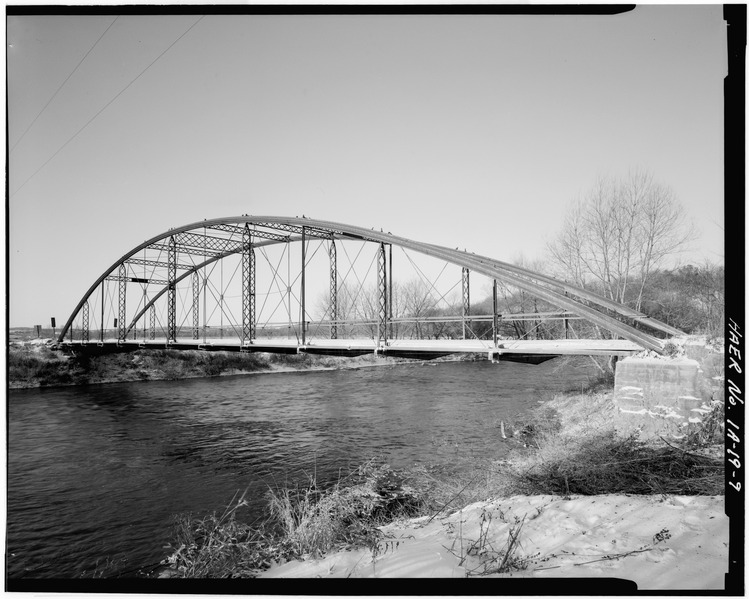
<point>412,301</point>
<point>512,300</point>
<point>619,234</point>
<point>417,303</point>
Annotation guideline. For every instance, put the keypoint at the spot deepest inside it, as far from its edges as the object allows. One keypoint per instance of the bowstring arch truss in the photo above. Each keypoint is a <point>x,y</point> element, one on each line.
<point>177,269</point>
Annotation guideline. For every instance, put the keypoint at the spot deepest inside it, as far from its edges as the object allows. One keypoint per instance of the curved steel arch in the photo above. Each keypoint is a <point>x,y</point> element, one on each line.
<point>552,290</point>
<point>197,267</point>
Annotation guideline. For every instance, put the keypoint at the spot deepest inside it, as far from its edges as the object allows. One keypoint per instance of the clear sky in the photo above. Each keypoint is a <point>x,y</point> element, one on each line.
<point>469,131</point>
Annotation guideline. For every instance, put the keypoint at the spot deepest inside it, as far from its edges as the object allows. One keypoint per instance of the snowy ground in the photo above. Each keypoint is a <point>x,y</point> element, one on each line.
<point>659,542</point>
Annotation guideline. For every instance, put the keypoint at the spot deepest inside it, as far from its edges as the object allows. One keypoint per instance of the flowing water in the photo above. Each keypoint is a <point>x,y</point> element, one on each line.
<point>96,473</point>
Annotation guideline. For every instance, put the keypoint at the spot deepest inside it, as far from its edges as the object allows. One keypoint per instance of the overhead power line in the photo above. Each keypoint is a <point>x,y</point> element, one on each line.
<point>62,85</point>
<point>91,120</point>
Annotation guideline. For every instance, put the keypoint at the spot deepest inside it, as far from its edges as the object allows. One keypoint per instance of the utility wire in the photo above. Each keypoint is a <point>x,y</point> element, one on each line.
<point>106,106</point>
<point>63,84</point>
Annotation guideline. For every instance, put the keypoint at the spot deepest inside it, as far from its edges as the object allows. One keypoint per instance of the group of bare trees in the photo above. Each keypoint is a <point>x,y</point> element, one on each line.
<point>621,240</point>
<point>617,241</point>
<point>621,232</point>
<point>415,312</point>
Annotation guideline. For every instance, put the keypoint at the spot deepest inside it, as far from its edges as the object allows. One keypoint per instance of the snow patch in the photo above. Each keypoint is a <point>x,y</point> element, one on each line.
<point>659,542</point>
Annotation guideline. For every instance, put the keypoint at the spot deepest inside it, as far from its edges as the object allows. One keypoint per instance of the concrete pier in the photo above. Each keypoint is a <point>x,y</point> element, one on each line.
<point>660,396</point>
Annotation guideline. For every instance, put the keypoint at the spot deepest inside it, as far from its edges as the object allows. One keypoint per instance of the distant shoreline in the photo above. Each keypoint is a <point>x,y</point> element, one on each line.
<point>34,364</point>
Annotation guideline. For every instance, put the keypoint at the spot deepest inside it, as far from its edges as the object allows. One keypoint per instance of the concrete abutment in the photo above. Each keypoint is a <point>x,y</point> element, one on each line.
<point>666,397</point>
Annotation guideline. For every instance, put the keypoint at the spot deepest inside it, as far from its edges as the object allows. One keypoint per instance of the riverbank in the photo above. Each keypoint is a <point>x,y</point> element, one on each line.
<point>578,497</point>
<point>34,363</point>
<point>661,524</point>
<point>658,542</point>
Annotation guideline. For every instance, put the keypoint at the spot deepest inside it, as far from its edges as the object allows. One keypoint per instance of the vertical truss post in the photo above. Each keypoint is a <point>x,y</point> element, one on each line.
<point>495,317</point>
<point>196,305</point>
<point>101,322</point>
<point>390,291</point>
<point>205,305</point>
<point>288,285</point>
<point>122,286</point>
<point>84,324</point>
<point>152,322</point>
<point>333,290</point>
<point>145,302</point>
<point>248,287</point>
<point>302,301</point>
<point>382,287</point>
<point>172,296</point>
<point>253,314</point>
<point>466,301</point>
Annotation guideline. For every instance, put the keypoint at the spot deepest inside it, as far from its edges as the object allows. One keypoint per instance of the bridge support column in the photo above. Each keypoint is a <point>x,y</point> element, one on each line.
<point>248,287</point>
<point>172,297</point>
<point>466,302</point>
<point>84,324</point>
<point>101,322</point>
<point>382,287</point>
<point>122,296</point>
<point>152,322</point>
<point>665,397</point>
<point>333,290</point>
<point>145,303</point>
<point>303,307</point>
<point>390,292</point>
<point>196,305</point>
<point>495,319</point>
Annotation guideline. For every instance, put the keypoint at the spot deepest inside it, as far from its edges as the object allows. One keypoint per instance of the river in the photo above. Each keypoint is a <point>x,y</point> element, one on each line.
<point>96,473</point>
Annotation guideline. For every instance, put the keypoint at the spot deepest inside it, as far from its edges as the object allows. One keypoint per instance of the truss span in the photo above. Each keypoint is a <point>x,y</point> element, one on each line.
<point>165,263</point>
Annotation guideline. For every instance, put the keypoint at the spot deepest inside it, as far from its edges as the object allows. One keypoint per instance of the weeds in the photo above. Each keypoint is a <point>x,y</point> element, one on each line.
<point>315,521</point>
<point>491,560</point>
<point>220,546</point>
<point>609,463</point>
<point>301,522</point>
<point>37,365</point>
<point>712,429</point>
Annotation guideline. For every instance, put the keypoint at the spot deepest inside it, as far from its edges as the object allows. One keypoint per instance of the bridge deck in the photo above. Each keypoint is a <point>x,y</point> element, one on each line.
<point>396,347</point>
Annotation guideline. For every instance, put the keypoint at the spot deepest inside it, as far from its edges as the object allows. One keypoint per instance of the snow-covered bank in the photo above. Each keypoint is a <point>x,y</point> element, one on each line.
<point>659,542</point>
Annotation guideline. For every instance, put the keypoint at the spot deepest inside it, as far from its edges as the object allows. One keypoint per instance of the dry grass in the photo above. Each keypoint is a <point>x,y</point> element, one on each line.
<point>575,448</point>
<point>302,522</point>
<point>493,560</point>
<point>220,546</point>
<point>314,521</point>
<point>609,463</point>
<point>569,445</point>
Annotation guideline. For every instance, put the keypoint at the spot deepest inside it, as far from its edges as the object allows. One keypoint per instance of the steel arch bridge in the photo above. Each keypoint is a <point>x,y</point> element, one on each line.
<point>234,284</point>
